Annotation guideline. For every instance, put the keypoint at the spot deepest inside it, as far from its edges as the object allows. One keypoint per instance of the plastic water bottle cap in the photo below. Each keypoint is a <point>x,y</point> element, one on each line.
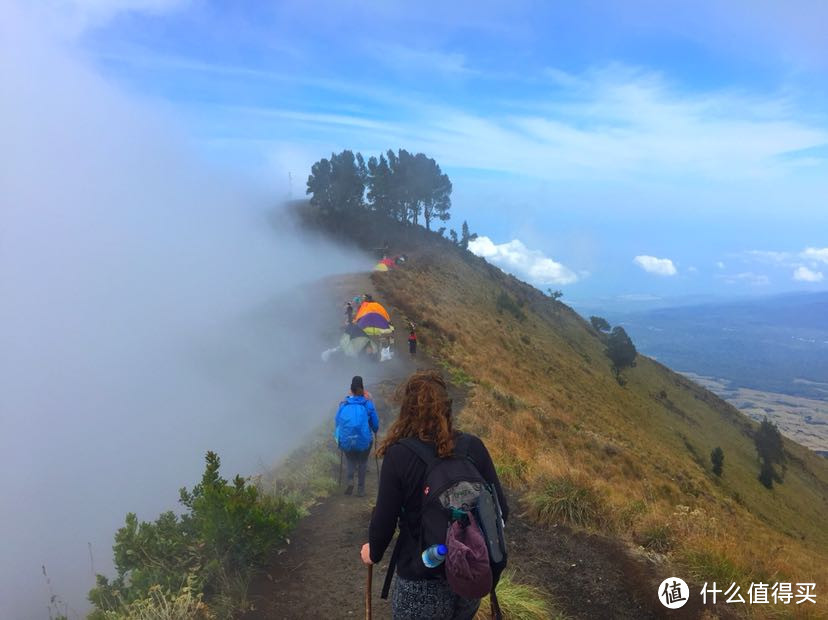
<point>442,550</point>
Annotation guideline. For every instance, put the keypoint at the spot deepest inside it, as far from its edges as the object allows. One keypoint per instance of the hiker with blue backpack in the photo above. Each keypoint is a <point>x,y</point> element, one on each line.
<point>440,487</point>
<point>356,424</point>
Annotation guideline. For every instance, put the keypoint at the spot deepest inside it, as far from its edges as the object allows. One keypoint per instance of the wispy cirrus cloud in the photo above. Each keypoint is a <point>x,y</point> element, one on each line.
<point>419,60</point>
<point>616,121</point>
<point>746,277</point>
<point>657,266</point>
<point>805,263</point>
<point>73,17</point>
<point>514,257</point>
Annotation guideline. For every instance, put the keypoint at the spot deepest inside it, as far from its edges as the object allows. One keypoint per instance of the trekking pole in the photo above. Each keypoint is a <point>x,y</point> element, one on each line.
<point>368,592</point>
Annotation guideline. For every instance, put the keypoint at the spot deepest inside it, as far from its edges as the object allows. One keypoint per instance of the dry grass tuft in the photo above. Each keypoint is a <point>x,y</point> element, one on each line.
<point>519,602</point>
<point>568,500</point>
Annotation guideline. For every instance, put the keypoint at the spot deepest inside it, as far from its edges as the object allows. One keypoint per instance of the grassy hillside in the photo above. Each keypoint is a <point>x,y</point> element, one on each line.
<point>631,461</point>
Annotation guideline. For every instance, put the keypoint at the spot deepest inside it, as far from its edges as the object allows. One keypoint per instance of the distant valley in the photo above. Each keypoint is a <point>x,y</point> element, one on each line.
<point>805,420</point>
<point>766,356</point>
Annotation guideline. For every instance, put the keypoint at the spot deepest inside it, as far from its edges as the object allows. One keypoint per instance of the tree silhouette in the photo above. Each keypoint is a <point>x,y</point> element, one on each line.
<point>379,183</point>
<point>436,195</point>
<point>599,324</point>
<point>466,236</point>
<point>717,458</point>
<point>338,185</point>
<point>621,351</point>
<point>401,185</point>
<point>771,452</point>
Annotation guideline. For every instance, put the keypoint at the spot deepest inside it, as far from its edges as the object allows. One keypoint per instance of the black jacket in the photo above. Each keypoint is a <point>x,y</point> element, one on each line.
<point>400,491</point>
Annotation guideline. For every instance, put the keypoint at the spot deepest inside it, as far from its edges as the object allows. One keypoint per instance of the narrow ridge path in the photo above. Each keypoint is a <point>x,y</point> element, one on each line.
<point>319,574</point>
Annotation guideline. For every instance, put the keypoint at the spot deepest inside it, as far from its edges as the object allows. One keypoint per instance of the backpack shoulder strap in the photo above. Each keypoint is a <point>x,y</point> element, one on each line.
<point>424,452</point>
<point>428,455</point>
<point>461,446</point>
<point>497,614</point>
<point>392,565</point>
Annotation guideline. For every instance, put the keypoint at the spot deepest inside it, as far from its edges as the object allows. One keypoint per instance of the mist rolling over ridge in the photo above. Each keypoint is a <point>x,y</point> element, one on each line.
<point>190,192</point>
<point>147,315</point>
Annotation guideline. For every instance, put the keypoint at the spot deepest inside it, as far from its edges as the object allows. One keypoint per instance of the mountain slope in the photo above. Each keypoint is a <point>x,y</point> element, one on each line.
<point>549,406</point>
<point>630,461</point>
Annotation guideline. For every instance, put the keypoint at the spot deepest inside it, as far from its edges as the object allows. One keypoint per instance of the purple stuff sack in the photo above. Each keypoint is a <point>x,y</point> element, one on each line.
<point>468,570</point>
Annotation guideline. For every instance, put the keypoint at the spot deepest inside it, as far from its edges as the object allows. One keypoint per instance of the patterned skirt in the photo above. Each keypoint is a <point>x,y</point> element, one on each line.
<point>429,599</point>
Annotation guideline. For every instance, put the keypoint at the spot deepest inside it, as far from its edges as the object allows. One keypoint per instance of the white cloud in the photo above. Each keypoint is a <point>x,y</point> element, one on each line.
<point>720,265</point>
<point>815,254</point>
<point>516,258</point>
<point>803,274</point>
<point>658,266</point>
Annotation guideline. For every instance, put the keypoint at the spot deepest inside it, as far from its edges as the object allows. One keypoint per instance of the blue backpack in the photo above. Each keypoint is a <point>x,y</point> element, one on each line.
<point>353,429</point>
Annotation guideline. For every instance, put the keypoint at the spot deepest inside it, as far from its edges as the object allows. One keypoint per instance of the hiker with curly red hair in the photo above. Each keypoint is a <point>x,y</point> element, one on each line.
<point>440,486</point>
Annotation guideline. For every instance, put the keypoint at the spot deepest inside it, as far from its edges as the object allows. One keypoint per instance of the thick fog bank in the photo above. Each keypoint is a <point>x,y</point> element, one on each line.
<point>129,278</point>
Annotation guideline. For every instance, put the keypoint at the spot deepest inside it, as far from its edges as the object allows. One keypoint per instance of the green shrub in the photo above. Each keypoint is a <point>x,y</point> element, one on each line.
<point>717,459</point>
<point>228,531</point>
<point>505,303</point>
<point>566,500</point>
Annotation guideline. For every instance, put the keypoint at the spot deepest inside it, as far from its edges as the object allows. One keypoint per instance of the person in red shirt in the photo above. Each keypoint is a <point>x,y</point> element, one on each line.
<point>412,340</point>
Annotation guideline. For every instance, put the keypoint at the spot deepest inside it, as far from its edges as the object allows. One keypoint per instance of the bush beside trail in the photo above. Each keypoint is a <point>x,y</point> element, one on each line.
<point>199,563</point>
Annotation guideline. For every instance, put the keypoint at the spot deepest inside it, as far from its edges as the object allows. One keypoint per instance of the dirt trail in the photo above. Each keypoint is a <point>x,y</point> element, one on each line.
<point>319,573</point>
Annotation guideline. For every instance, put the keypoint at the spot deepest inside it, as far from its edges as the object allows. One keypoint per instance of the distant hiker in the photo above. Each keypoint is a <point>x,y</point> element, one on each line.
<point>356,421</point>
<point>412,340</point>
<point>418,451</point>
<point>367,297</point>
<point>349,312</point>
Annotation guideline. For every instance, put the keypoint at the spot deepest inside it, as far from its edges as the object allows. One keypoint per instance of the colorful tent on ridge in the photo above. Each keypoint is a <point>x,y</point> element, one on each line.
<point>387,264</point>
<point>373,319</point>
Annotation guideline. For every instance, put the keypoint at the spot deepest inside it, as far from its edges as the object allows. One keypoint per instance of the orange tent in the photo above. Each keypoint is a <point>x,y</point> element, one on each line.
<point>369,307</point>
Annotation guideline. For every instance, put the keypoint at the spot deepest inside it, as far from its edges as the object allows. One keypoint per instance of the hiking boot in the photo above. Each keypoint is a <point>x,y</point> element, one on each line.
<point>360,492</point>
<point>349,489</point>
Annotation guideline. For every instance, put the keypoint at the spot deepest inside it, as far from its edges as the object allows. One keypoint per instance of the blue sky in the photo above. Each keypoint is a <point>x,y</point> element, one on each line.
<point>614,150</point>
